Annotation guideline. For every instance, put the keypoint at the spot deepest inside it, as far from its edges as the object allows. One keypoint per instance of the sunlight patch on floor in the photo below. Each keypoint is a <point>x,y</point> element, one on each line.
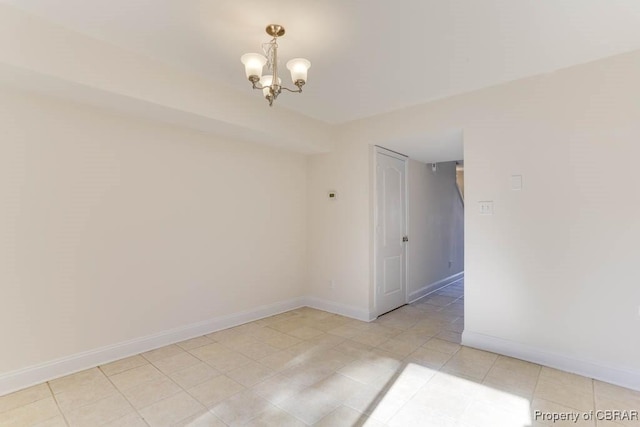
<point>417,395</point>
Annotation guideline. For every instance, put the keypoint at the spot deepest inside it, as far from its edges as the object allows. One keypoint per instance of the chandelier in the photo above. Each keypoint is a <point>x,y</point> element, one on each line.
<point>270,84</point>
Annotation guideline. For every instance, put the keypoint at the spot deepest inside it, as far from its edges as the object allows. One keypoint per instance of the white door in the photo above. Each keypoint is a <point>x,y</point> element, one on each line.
<point>391,226</point>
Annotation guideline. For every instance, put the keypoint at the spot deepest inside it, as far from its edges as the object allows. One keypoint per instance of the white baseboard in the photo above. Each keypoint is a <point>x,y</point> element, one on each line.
<point>32,375</point>
<point>432,287</point>
<point>341,309</point>
<point>614,375</point>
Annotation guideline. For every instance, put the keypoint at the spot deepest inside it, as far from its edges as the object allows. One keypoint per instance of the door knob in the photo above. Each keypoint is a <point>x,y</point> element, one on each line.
<point>405,239</point>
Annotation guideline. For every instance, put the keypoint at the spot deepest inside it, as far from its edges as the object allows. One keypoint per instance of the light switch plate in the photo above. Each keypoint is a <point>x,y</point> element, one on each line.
<point>486,207</point>
<point>516,182</point>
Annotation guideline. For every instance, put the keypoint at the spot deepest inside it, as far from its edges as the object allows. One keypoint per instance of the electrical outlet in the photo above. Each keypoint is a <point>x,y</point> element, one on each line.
<point>450,263</point>
<point>486,207</point>
<point>332,284</point>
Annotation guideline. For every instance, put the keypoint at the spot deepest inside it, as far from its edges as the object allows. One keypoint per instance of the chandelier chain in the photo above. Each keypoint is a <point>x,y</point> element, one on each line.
<point>268,49</point>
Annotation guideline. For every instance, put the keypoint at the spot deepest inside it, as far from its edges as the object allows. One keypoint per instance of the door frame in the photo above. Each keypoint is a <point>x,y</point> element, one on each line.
<point>378,149</point>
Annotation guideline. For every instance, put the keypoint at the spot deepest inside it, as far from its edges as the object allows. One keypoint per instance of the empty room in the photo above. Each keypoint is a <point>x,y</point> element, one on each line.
<point>319,213</point>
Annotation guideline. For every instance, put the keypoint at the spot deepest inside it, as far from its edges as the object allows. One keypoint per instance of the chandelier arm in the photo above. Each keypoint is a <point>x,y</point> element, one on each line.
<point>291,90</point>
<point>259,86</point>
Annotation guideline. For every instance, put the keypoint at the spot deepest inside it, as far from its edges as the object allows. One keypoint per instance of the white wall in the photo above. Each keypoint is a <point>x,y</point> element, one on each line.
<point>113,228</point>
<point>436,227</point>
<point>551,275</point>
<point>108,219</point>
<point>338,230</point>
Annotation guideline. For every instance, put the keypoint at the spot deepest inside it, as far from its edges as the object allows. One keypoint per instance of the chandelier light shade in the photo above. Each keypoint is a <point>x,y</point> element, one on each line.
<point>298,68</point>
<point>253,64</point>
<point>271,84</point>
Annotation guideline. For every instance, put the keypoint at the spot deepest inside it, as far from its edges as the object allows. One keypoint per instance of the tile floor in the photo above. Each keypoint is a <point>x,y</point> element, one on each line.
<point>308,367</point>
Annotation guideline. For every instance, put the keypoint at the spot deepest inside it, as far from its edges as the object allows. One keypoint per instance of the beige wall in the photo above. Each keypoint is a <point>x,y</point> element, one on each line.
<point>551,275</point>
<point>554,267</point>
<point>338,230</point>
<point>113,228</point>
<point>436,226</point>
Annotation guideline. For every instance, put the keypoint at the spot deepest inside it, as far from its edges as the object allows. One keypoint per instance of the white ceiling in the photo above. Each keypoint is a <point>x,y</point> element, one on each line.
<point>369,57</point>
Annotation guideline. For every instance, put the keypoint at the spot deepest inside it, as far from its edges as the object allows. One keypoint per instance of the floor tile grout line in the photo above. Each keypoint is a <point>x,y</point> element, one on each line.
<point>117,391</point>
<point>64,417</point>
<point>489,370</point>
<point>136,410</point>
<point>125,370</point>
<point>535,388</point>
